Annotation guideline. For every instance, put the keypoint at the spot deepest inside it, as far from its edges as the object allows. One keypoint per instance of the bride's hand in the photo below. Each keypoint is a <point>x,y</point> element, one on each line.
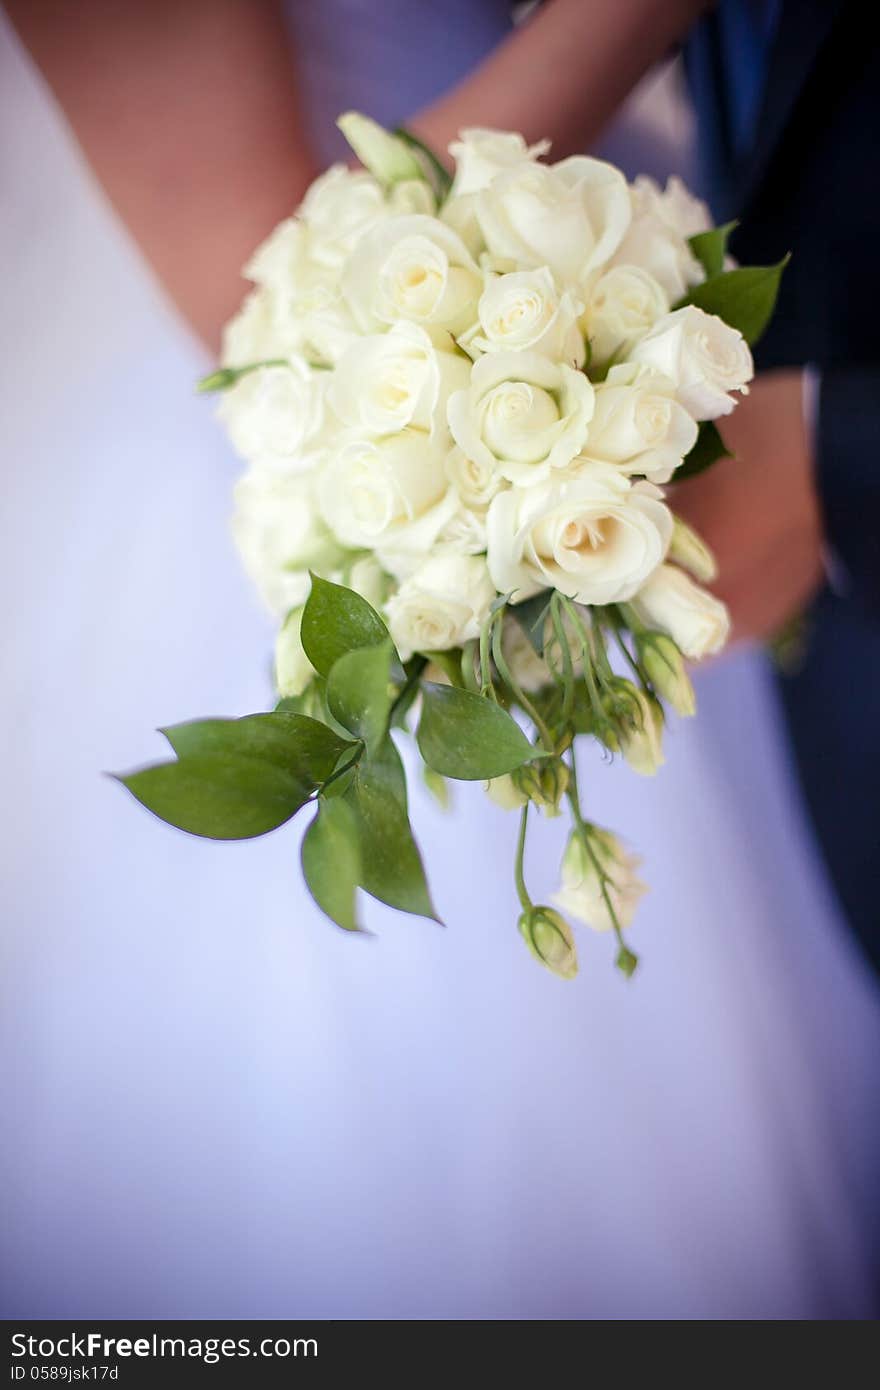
<point>759,511</point>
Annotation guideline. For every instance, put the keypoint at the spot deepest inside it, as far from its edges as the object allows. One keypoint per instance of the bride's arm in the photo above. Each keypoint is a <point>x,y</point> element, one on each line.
<point>562,74</point>
<point>186,110</point>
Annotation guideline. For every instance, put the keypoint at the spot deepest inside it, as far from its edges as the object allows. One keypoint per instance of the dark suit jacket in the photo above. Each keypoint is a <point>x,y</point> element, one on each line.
<point>811,185</point>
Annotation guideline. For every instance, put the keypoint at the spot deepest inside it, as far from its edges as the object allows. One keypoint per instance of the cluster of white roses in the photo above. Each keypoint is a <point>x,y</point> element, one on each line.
<point>480,399</point>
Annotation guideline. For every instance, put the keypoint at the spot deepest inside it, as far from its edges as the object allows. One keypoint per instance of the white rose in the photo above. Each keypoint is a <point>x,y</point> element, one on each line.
<point>407,543</point>
<point>655,244</point>
<point>309,321</point>
<point>250,335</point>
<point>386,381</point>
<point>322,323</point>
<point>313,321</point>
<point>442,605</point>
<point>524,310</point>
<point>343,204</point>
<point>570,216</point>
<point>282,258</point>
<point>293,670</point>
<point>697,622</point>
<point>338,209</point>
<point>275,415</point>
<point>704,356</point>
<point>298,269</point>
<point>464,533</point>
<point>522,415</point>
<point>412,268</point>
<point>476,480</point>
<point>624,303</point>
<point>580,894</point>
<point>300,263</point>
<point>678,207</point>
<point>280,536</point>
<point>595,537</point>
<point>461,215</point>
<point>371,491</point>
<point>481,154</point>
<point>639,425</point>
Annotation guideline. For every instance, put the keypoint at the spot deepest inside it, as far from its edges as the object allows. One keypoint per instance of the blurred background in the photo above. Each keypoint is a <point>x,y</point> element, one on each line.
<point>217,1106</point>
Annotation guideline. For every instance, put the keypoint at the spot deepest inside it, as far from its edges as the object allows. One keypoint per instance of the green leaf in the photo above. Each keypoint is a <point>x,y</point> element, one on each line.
<point>709,448</point>
<point>710,248</point>
<point>468,736</point>
<point>301,745</point>
<point>744,298</point>
<point>313,703</point>
<point>391,866</point>
<point>331,861</point>
<point>221,796</point>
<point>386,767</point>
<point>359,692</point>
<point>531,616</point>
<point>336,620</point>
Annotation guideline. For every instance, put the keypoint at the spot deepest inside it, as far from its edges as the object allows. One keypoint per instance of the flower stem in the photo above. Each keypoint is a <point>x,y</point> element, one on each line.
<point>519,694</point>
<point>565,651</point>
<point>468,673</point>
<point>592,688</point>
<point>583,832</point>
<point>522,891</point>
<point>486,687</point>
<point>618,627</point>
<point>415,675</point>
<point>630,619</point>
<point>224,377</point>
<point>601,648</point>
<point>340,772</point>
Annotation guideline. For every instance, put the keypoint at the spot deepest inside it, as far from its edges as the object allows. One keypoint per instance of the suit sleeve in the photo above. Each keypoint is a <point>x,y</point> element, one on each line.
<point>848,470</point>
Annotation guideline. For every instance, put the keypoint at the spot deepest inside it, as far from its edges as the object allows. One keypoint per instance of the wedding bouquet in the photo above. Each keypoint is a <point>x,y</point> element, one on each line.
<point>459,401</point>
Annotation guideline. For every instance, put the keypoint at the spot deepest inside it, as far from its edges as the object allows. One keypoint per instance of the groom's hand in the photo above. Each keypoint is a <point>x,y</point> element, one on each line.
<point>759,511</point>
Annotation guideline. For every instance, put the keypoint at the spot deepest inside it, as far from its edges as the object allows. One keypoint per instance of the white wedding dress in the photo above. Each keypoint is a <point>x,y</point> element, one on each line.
<point>215,1104</point>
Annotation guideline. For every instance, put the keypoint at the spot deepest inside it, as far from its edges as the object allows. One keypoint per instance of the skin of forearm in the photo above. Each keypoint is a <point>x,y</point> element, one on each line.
<point>187,114</point>
<point>563,73</point>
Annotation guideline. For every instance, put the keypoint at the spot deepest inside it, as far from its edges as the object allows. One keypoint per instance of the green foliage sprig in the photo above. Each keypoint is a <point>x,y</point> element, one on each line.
<point>234,779</point>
